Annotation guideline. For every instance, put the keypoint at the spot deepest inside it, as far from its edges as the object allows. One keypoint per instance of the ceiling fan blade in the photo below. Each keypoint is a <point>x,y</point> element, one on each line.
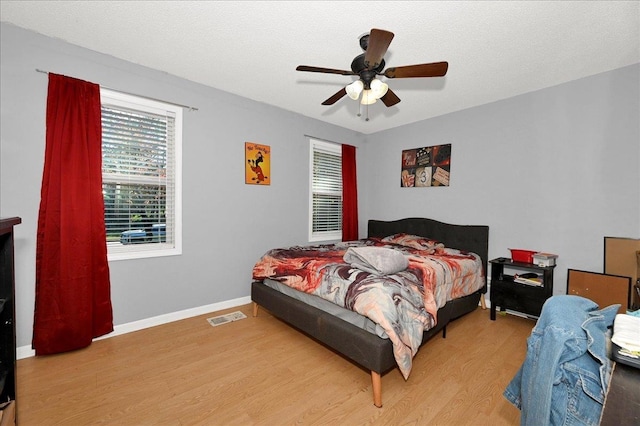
<point>323,70</point>
<point>436,69</point>
<point>379,41</point>
<point>390,98</point>
<point>335,98</point>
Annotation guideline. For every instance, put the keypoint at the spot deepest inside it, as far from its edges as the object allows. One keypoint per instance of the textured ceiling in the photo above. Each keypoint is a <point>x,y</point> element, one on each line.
<point>495,49</point>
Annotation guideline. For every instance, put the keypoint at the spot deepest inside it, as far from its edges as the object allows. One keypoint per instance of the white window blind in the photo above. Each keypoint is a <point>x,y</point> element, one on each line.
<point>326,191</point>
<point>141,146</point>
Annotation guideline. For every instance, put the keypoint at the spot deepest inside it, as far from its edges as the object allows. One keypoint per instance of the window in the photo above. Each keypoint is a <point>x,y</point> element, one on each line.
<point>141,176</point>
<point>325,218</point>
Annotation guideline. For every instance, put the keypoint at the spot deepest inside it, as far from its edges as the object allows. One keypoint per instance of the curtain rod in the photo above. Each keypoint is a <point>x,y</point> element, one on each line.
<point>326,140</point>
<point>190,108</point>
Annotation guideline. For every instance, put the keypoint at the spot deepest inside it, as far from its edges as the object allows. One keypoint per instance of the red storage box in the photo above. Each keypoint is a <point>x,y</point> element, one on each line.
<point>525,256</point>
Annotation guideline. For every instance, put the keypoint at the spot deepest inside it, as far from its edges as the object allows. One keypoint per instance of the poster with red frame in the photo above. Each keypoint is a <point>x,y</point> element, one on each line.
<point>257,164</point>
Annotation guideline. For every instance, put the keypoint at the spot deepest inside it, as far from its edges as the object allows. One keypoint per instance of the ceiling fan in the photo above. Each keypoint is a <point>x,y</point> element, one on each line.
<point>370,64</point>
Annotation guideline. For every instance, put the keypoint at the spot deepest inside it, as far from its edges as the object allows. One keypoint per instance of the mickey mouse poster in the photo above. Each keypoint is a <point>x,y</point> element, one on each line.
<point>257,163</point>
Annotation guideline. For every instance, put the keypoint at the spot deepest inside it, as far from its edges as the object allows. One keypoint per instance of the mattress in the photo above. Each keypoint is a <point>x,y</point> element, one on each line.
<point>330,308</point>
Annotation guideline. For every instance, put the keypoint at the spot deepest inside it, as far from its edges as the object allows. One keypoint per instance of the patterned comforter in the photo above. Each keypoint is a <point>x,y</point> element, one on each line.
<point>404,303</point>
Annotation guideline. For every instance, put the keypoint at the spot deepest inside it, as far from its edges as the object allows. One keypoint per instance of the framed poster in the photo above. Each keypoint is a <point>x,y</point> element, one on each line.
<point>426,166</point>
<point>257,164</point>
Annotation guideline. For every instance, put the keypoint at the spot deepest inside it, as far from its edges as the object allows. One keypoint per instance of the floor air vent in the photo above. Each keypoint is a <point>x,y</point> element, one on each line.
<point>226,318</point>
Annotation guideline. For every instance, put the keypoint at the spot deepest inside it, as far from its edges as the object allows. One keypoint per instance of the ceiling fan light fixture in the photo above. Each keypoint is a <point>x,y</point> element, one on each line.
<point>378,88</point>
<point>368,98</point>
<point>354,89</point>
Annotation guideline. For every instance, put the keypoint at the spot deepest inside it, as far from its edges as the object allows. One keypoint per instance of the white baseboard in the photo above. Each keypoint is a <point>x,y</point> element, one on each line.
<point>27,351</point>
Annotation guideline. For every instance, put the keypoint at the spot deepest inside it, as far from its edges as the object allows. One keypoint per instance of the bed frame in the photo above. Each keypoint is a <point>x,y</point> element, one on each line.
<point>366,349</point>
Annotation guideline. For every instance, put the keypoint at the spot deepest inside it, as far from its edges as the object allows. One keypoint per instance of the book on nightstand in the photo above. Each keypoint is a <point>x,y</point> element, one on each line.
<point>528,279</point>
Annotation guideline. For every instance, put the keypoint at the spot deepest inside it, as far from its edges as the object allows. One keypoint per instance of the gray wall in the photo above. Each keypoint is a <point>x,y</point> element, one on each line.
<point>227,226</point>
<point>554,170</point>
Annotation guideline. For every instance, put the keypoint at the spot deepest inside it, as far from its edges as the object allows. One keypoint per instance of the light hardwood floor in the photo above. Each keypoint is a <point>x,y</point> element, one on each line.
<point>260,371</point>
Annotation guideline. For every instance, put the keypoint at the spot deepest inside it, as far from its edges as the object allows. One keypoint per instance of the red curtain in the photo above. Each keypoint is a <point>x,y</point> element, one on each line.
<point>349,194</point>
<point>73,300</point>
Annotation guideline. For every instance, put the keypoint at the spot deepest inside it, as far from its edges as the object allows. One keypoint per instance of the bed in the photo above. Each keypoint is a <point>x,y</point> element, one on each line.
<point>356,337</point>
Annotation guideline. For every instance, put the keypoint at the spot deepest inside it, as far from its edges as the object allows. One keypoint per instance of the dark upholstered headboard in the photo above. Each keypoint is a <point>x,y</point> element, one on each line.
<point>473,238</point>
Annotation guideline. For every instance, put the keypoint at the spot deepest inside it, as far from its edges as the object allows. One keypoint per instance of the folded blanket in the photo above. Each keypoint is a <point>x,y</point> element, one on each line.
<point>626,332</point>
<point>376,260</point>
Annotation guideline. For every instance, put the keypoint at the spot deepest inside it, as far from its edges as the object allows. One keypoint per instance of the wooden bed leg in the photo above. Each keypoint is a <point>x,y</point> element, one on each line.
<point>255,309</point>
<point>483,304</point>
<point>376,381</point>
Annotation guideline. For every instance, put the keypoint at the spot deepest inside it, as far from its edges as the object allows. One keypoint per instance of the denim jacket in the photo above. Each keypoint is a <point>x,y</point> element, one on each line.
<point>564,377</point>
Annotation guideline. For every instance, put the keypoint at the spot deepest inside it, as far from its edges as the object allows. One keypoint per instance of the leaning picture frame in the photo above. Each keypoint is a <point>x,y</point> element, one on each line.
<point>603,289</point>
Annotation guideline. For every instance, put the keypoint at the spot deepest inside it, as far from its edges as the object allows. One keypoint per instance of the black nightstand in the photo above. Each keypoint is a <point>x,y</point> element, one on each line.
<point>509,294</point>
